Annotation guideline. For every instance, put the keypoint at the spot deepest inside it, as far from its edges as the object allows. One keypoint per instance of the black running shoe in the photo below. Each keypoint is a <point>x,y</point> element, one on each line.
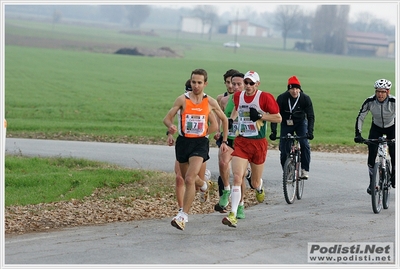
<point>220,209</point>
<point>248,177</point>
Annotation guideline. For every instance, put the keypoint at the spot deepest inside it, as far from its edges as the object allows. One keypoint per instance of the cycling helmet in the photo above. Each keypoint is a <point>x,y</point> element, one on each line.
<point>383,84</point>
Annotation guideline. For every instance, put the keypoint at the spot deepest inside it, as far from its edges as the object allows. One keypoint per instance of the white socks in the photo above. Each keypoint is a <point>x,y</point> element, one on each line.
<point>260,188</point>
<point>236,194</point>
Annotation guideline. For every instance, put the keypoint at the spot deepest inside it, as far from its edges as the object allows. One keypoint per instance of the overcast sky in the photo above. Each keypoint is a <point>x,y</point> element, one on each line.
<point>383,10</point>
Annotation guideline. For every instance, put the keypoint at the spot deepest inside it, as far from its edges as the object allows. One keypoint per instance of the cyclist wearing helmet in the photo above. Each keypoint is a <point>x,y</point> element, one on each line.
<point>382,106</point>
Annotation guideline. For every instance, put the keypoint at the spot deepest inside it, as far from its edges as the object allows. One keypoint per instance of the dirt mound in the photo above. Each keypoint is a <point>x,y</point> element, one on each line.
<point>160,52</point>
<point>92,46</point>
<point>136,32</point>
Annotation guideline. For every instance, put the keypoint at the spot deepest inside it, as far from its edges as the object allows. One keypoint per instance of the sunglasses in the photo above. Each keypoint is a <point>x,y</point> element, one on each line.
<point>251,83</point>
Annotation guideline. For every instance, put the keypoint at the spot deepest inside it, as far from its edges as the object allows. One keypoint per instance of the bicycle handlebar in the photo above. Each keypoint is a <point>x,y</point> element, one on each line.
<point>290,136</point>
<point>379,140</point>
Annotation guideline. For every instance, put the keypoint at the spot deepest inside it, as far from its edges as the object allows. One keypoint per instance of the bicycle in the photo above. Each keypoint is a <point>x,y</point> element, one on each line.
<point>381,184</point>
<point>293,185</point>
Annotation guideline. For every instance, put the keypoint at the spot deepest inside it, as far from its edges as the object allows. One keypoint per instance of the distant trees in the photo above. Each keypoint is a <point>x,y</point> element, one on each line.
<point>287,18</point>
<point>134,14</point>
<point>208,15</point>
<point>330,28</point>
<point>366,22</point>
<point>137,14</point>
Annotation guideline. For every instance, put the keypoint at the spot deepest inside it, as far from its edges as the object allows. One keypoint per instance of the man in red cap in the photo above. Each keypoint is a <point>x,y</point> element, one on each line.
<point>297,118</point>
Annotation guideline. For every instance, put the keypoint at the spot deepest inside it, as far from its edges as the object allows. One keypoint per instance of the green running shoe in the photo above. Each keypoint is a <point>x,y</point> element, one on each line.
<point>224,199</point>
<point>240,212</point>
<point>260,195</point>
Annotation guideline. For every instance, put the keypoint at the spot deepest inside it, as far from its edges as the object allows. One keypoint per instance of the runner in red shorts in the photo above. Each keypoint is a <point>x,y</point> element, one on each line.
<point>253,109</point>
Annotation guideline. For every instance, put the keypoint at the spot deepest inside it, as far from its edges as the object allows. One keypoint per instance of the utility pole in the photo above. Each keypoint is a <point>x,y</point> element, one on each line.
<point>236,30</point>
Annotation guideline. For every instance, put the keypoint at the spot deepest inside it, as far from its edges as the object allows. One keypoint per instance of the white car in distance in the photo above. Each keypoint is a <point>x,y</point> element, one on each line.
<point>232,44</point>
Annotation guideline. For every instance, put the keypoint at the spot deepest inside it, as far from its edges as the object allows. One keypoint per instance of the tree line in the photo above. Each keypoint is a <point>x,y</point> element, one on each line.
<point>326,27</point>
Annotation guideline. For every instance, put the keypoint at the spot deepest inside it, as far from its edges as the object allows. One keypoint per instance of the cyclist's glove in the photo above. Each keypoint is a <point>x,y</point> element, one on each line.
<point>358,139</point>
<point>310,136</point>
<point>272,136</point>
<point>254,114</point>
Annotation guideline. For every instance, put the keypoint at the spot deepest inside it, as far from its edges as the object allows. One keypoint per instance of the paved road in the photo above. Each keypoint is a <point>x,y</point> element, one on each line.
<point>335,208</point>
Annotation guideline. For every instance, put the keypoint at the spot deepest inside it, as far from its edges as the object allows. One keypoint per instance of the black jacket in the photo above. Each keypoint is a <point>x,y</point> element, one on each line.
<point>303,110</point>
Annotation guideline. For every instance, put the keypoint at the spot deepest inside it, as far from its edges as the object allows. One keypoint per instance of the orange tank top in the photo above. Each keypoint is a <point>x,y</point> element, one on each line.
<point>194,119</point>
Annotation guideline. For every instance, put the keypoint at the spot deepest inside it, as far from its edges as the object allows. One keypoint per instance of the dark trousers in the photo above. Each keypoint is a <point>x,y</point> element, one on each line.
<point>376,132</point>
<point>300,129</point>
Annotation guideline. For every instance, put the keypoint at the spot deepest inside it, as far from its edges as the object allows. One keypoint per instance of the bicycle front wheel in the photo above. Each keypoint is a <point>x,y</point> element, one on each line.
<point>289,180</point>
<point>299,185</point>
<point>376,190</point>
<point>386,186</point>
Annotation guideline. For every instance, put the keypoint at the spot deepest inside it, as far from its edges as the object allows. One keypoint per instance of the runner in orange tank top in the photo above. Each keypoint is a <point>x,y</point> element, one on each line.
<point>192,145</point>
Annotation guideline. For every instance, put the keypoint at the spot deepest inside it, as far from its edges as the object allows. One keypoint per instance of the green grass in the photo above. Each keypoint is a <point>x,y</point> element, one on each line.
<point>75,92</point>
<point>113,95</point>
<point>44,180</point>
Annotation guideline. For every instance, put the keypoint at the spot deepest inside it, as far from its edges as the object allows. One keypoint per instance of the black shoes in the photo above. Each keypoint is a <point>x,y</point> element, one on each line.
<point>220,209</point>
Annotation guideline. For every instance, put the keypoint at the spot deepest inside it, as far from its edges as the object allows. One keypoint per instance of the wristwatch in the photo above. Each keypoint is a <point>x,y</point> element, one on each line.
<point>226,142</point>
<point>167,132</point>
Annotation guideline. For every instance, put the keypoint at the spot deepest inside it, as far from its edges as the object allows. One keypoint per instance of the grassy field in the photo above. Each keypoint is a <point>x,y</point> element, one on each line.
<point>56,93</point>
<point>45,180</point>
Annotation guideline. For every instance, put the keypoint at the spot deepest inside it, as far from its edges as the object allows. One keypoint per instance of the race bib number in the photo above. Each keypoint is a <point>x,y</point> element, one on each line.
<point>195,124</point>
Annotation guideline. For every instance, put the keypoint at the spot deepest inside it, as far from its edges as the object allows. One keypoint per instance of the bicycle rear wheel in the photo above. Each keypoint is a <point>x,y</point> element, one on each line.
<point>376,190</point>
<point>289,180</point>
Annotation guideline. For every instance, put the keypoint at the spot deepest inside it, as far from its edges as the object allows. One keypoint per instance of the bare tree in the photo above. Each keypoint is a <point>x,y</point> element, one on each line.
<point>305,24</point>
<point>366,22</point>
<point>340,29</point>
<point>330,28</point>
<point>208,15</point>
<point>286,19</point>
<point>137,14</point>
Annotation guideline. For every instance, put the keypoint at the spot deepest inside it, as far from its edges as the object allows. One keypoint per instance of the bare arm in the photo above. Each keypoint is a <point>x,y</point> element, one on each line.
<point>275,118</point>
<point>222,101</point>
<point>213,126</point>
<point>220,114</point>
<point>219,97</point>
<point>169,118</point>
<point>234,114</point>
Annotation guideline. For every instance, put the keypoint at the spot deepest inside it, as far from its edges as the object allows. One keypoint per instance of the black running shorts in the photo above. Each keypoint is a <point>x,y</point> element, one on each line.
<point>188,147</point>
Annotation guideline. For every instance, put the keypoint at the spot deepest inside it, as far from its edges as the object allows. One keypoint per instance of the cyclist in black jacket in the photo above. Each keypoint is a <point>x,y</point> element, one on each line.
<point>382,106</point>
<point>298,118</point>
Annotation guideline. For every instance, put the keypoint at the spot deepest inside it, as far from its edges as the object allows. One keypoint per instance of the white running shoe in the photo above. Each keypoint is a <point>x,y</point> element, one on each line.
<point>207,175</point>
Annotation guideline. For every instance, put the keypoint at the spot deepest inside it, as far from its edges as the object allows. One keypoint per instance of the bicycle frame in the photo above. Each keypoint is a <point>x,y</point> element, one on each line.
<point>293,185</point>
<point>380,189</point>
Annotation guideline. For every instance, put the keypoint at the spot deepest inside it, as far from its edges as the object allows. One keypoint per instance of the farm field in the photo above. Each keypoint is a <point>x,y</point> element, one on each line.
<point>66,82</point>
